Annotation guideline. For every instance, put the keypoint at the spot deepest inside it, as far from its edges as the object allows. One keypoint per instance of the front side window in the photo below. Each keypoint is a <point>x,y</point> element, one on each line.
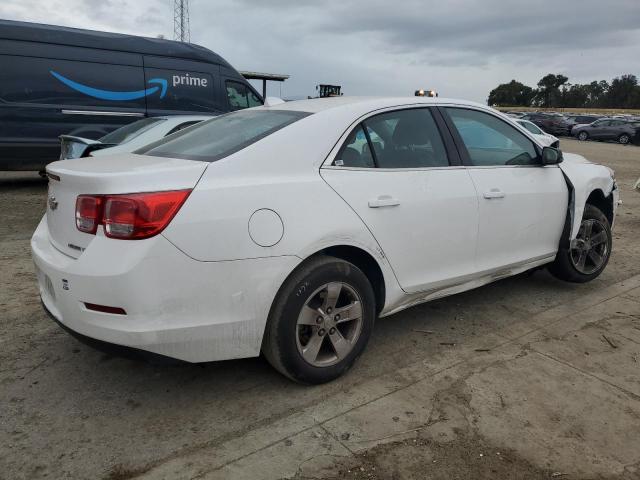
<point>240,96</point>
<point>490,141</point>
<point>221,136</point>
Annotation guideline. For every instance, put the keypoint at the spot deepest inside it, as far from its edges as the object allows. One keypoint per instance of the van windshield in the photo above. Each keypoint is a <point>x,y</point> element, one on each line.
<point>221,136</point>
<point>131,131</point>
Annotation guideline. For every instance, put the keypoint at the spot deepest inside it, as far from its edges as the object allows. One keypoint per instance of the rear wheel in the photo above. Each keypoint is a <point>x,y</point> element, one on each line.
<point>589,253</point>
<point>624,139</point>
<point>582,136</point>
<point>321,321</point>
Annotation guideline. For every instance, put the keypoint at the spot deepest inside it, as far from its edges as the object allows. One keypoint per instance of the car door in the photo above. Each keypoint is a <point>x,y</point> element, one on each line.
<point>522,204</point>
<point>613,130</point>
<point>597,130</point>
<point>405,181</point>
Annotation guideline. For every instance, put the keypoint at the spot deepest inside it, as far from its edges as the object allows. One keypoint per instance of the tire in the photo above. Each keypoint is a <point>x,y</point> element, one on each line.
<point>568,266</point>
<point>624,139</point>
<point>286,338</point>
<point>583,136</point>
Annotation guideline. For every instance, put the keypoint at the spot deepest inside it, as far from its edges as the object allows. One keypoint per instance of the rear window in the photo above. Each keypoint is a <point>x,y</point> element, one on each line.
<point>131,131</point>
<point>221,136</point>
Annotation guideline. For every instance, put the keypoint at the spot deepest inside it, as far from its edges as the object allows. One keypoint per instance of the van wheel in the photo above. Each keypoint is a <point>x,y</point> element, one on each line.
<point>320,322</point>
<point>589,253</point>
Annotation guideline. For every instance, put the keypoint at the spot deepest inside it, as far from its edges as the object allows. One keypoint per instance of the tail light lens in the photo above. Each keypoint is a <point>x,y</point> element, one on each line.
<point>88,213</point>
<point>131,216</point>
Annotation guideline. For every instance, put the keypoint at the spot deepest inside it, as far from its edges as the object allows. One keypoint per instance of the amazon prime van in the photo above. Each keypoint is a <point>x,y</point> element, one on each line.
<point>58,80</point>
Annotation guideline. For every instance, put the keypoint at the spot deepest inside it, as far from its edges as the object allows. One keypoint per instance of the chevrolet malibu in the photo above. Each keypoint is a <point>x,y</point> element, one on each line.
<point>289,229</point>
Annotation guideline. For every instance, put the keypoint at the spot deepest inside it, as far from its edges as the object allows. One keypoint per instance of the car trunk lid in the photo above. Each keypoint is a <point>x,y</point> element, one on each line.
<point>117,174</point>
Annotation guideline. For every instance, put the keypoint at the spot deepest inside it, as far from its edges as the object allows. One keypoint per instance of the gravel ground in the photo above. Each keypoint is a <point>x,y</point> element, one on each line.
<point>516,380</point>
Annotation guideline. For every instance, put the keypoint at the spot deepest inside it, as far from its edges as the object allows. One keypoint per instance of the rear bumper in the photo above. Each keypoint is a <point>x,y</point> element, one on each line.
<point>175,306</point>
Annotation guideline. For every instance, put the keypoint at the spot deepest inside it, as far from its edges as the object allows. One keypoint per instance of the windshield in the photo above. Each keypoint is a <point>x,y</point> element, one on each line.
<point>221,136</point>
<point>131,131</point>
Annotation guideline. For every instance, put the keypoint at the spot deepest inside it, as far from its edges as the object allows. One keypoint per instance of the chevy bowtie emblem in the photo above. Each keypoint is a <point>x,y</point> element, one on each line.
<point>53,203</point>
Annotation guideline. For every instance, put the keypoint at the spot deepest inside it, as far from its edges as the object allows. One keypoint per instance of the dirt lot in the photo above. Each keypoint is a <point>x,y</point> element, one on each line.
<point>526,378</point>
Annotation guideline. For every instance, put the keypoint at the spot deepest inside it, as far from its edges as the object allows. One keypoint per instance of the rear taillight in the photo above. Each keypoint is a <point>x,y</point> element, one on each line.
<point>88,213</point>
<point>130,216</point>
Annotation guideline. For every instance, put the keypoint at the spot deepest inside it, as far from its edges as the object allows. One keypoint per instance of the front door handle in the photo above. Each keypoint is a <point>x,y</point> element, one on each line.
<point>384,201</point>
<point>493,193</point>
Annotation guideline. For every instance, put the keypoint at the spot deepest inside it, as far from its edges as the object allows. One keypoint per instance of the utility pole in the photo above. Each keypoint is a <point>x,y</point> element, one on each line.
<point>181,31</point>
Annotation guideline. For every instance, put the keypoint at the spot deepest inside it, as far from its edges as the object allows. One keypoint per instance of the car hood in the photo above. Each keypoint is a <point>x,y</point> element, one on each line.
<point>573,158</point>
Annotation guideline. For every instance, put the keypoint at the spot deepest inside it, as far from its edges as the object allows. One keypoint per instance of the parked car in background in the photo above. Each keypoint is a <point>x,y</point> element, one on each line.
<point>127,138</point>
<point>553,123</point>
<point>544,137</point>
<point>573,120</point>
<point>621,131</point>
<point>289,229</point>
<point>66,81</point>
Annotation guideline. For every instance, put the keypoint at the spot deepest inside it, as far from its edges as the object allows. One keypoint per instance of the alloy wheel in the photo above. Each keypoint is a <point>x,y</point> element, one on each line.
<point>591,247</point>
<point>623,139</point>
<point>582,136</point>
<point>329,324</point>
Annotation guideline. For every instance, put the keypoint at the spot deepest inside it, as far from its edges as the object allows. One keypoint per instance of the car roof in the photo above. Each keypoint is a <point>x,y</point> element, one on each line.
<point>366,104</point>
<point>38,32</point>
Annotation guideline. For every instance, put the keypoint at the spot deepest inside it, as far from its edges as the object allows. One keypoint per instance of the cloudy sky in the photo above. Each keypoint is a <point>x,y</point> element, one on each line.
<point>461,48</point>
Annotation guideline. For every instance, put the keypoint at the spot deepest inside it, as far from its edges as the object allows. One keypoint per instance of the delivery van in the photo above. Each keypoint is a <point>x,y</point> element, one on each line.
<point>65,81</point>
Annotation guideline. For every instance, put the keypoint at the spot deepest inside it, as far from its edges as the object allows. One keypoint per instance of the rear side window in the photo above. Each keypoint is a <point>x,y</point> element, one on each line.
<point>221,136</point>
<point>491,141</point>
<point>240,96</point>
<point>72,83</point>
<point>355,152</point>
<point>406,139</point>
<point>131,131</point>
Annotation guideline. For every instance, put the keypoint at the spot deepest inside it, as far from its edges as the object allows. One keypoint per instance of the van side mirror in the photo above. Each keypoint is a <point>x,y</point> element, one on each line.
<point>551,156</point>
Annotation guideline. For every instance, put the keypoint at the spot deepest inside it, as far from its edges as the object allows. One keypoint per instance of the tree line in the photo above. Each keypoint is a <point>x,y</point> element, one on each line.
<point>554,90</point>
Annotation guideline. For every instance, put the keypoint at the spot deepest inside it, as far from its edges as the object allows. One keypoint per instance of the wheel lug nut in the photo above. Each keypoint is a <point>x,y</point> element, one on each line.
<point>329,310</point>
<point>322,331</point>
<point>332,331</point>
<point>319,320</point>
<point>336,318</point>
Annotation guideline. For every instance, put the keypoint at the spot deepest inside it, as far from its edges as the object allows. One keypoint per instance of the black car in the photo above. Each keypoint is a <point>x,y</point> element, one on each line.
<point>553,123</point>
<point>57,80</point>
<point>622,131</point>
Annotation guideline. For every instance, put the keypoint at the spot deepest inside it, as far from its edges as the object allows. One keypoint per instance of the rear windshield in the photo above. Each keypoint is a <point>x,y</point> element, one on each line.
<point>221,136</point>
<point>131,131</point>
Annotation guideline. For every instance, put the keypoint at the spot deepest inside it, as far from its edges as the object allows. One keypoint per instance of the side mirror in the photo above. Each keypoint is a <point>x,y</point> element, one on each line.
<point>551,156</point>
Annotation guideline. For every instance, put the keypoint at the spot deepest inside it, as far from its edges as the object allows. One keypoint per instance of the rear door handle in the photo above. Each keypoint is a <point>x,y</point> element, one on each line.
<point>493,193</point>
<point>384,201</point>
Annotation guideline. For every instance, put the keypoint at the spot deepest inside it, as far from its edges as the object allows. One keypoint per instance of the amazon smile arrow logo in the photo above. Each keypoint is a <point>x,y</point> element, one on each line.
<point>111,95</point>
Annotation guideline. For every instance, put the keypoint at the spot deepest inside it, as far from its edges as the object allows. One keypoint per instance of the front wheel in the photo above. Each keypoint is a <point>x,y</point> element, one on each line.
<point>583,136</point>
<point>589,253</point>
<point>320,322</point>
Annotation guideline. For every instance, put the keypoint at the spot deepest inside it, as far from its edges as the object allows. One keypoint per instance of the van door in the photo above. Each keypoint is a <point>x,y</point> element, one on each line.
<point>191,86</point>
<point>50,90</point>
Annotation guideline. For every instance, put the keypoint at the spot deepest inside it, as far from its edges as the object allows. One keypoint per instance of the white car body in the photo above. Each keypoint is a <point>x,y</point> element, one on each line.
<point>543,137</point>
<point>202,289</point>
<point>165,125</point>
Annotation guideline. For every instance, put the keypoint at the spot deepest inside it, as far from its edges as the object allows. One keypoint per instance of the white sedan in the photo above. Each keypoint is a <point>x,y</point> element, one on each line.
<point>127,138</point>
<point>289,229</point>
<point>543,137</point>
